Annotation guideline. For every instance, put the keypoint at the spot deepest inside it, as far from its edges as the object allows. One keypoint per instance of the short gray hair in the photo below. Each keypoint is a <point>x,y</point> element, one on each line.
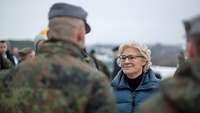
<point>143,49</point>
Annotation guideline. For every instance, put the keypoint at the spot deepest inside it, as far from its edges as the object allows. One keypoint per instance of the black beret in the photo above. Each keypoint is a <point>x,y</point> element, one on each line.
<point>192,26</point>
<point>64,9</point>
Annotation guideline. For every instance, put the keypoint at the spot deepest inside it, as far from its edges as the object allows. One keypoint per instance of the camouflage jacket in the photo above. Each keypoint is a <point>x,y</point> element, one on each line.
<point>57,81</point>
<point>180,94</point>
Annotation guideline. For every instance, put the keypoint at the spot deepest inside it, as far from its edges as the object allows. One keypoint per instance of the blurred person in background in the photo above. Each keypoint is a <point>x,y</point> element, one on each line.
<point>5,63</point>
<point>40,39</point>
<point>136,81</point>
<point>15,52</point>
<point>116,67</point>
<point>26,54</point>
<point>10,55</point>
<point>3,48</point>
<point>181,93</point>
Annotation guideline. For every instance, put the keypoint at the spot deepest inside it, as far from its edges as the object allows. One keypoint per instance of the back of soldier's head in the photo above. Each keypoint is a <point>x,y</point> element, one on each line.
<point>64,28</point>
<point>68,22</point>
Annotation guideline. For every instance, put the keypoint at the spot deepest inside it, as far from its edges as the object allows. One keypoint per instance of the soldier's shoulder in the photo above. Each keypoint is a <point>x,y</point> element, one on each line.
<point>78,66</point>
<point>53,65</point>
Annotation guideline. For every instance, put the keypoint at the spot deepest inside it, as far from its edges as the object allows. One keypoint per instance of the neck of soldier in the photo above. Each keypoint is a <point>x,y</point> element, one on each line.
<point>78,41</point>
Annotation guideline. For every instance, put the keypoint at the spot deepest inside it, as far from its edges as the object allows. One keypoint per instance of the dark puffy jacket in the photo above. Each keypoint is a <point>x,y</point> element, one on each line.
<point>128,100</point>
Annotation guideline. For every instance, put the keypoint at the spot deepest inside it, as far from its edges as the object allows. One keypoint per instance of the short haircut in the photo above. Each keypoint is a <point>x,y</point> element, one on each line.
<point>64,27</point>
<point>196,41</point>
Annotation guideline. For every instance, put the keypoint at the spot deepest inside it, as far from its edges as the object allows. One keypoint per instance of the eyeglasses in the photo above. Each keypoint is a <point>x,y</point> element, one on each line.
<point>123,58</point>
<point>2,47</point>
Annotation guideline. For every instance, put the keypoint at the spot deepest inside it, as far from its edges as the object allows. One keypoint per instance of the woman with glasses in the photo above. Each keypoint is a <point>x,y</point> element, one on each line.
<point>135,82</point>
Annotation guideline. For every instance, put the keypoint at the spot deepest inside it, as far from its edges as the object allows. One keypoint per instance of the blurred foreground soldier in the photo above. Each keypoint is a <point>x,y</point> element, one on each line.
<point>182,93</point>
<point>58,81</point>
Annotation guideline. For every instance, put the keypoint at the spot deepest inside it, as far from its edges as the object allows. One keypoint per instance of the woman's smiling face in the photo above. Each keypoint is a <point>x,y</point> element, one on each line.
<point>132,62</point>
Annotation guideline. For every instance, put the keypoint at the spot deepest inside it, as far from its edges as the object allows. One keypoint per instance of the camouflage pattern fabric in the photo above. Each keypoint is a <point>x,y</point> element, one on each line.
<point>90,61</point>
<point>5,63</point>
<point>180,94</point>
<point>101,66</point>
<point>56,82</point>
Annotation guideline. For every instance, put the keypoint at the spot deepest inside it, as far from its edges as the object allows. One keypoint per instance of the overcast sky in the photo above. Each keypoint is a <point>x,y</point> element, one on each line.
<point>112,21</point>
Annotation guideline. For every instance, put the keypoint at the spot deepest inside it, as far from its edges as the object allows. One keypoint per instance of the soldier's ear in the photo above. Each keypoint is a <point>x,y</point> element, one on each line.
<point>81,34</point>
<point>190,49</point>
<point>81,37</point>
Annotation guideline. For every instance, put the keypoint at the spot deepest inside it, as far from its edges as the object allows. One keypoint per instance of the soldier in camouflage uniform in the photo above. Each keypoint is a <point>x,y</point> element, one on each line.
<point>181,94</point>
<point>58,81</point>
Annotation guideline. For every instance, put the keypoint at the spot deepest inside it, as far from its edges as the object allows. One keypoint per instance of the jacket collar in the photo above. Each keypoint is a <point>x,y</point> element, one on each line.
<point>120,81</point>
<point>148,80</point>
<point>59,47</point>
